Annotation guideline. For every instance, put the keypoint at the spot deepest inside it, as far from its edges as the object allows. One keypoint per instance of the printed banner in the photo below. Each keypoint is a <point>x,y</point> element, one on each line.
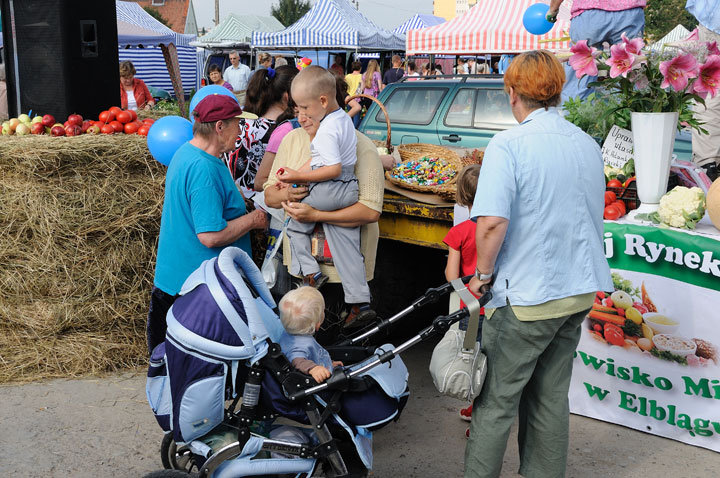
<point>648,355</point>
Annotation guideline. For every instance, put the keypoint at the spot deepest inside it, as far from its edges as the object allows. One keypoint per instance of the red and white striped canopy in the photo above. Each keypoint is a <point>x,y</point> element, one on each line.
<point>491,26</point>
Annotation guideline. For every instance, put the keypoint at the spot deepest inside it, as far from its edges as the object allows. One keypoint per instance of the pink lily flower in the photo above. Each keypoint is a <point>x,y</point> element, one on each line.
<point>712,48</point>
<point>621,61</point>
<point>633,46</point>
<point>678,71</point>
<point>583,59</point>
<point>708,78</point>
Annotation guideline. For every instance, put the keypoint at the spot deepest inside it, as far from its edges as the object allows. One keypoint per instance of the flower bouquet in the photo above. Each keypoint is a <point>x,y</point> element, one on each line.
<point>658,90</point>
<point>652,82</point>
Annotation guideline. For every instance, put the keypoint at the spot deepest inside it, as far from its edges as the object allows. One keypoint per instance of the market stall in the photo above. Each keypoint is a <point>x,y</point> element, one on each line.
<point>331,25</point>
<point>488,27</point>
<point>236,31</point>
<point>417,22</point>
<point>660,375</point>
<point>163,58</point>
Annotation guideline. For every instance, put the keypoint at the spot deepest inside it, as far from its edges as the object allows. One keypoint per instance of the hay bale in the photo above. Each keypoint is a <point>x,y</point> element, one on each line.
<point>79,220</point>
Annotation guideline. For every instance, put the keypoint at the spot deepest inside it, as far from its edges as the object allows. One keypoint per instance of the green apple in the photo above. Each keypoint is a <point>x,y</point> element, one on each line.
<point>24,118</point>
<point>6,131</point>
<point>22,129</point>
<point>37,119</point>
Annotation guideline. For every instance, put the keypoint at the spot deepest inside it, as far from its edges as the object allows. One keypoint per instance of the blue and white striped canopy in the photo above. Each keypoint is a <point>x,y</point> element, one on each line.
<point>136,27</point>
<point>331,24</point>
<point>418,22</point>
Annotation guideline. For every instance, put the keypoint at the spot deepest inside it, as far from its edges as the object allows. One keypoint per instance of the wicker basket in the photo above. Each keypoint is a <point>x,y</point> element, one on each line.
<point>418,150</point>
<point>381,144</point>
<point>448,193</point>
<point>442,153</point>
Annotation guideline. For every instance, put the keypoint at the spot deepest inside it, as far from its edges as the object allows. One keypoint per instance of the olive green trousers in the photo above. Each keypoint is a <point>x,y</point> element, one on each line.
<point>529,368</point>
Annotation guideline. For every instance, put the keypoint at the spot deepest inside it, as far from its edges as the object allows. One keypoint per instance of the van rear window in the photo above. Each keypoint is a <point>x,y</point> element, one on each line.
<point>412,105</point>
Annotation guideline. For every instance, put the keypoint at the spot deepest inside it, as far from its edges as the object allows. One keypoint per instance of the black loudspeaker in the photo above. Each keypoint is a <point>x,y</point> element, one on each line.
<point>61,56</point>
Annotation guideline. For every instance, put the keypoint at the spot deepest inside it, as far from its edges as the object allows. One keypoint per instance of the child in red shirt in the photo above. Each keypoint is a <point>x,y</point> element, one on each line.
<point>462,251</point>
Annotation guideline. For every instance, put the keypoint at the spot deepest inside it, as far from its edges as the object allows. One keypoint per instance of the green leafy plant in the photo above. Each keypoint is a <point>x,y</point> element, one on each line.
<point>597,114</point>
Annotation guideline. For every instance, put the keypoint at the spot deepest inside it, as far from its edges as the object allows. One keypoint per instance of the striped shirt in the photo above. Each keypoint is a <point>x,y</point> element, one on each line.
<point>579,6</point>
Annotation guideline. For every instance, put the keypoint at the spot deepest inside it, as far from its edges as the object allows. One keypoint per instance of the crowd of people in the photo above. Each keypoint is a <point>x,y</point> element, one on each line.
<point>304,154</point>
<point>306,158</point>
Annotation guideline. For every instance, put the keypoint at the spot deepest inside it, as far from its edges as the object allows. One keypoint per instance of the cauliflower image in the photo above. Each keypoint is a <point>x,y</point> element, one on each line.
<point>682,207</point>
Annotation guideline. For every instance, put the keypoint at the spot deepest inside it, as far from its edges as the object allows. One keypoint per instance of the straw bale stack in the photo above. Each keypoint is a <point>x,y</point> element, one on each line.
<point>79,219</point>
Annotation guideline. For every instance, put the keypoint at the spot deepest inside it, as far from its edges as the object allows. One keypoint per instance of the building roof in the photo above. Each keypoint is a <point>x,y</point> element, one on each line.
<point>175,12</point>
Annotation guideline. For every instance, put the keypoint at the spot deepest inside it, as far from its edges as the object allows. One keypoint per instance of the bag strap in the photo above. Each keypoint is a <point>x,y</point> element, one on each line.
<point>473,307</point>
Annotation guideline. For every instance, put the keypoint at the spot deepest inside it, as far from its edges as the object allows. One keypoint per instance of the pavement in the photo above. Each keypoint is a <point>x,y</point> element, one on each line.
<point>102,427</point>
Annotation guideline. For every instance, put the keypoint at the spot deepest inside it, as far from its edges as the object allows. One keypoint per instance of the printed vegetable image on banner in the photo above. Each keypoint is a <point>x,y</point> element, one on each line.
<point>649,351</point>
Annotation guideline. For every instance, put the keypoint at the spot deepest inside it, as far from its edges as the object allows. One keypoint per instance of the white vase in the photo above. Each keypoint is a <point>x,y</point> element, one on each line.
<point>653,142</point>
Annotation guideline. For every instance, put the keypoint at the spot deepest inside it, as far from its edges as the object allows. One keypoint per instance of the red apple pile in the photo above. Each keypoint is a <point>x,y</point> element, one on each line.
<point>112,121</point>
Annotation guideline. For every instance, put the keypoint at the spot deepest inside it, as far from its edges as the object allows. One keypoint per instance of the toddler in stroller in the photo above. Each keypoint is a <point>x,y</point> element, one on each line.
<point>222,346</point>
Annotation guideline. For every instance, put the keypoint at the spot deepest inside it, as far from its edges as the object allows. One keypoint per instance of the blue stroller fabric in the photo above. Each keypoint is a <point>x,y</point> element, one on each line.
<point>218,328</point>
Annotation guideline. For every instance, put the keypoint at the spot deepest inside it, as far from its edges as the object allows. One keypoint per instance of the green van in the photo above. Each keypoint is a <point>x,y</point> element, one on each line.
<point>460,111</point>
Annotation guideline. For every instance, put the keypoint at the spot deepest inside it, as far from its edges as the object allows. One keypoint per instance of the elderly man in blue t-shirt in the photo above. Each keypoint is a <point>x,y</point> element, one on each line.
<point>203,210</point>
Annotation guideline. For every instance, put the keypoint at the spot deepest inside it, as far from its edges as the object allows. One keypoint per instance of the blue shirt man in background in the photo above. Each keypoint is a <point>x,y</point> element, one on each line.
<point>203,210</point>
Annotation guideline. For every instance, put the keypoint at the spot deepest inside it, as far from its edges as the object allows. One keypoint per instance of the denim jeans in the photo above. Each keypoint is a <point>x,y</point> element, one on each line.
<point>598,26</point>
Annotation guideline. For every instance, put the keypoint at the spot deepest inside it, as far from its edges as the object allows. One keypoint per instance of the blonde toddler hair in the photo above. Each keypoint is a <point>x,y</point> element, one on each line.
<point>316,81</point>
<point>301,310</point>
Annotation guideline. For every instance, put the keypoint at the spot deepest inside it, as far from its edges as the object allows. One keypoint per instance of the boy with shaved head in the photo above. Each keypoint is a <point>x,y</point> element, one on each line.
<point>330,175</point>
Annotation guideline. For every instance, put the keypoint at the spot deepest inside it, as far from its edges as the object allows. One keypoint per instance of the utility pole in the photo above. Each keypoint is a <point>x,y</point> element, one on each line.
<point>217,12</point>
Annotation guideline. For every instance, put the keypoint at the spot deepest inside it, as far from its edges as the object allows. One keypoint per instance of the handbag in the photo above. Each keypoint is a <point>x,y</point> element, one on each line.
<point>458,366</point>
<point>276,232</point>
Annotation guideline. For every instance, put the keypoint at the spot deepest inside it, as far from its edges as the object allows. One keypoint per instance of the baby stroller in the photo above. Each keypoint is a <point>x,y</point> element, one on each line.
<point>221,346</point>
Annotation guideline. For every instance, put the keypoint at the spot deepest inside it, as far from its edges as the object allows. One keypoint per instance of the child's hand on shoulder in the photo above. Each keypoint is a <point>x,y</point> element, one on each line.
<point>320,373</point>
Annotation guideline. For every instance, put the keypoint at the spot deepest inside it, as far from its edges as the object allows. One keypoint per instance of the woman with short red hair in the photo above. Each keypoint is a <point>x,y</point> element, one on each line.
<point>538,207</point>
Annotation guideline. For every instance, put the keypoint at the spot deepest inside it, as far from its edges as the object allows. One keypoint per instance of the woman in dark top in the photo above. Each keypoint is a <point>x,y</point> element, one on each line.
<point>267,97</point>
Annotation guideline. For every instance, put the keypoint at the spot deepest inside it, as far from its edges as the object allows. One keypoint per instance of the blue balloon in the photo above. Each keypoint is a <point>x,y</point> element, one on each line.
<point>166,136</point>
<point>208,90</point>
<point>534,19</point>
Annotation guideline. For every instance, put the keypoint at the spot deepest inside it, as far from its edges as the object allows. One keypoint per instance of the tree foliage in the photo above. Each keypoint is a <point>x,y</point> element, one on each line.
<point>157,16</point>
<point>289,11</point>
<point>661,16</point>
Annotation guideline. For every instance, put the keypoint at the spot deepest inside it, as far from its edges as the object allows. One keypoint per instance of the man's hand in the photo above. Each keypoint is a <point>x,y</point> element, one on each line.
<point>553,11</point>
<point>299,211</point>
<point>475,284</point>
<point>337,363</point>
<point>320,373</point>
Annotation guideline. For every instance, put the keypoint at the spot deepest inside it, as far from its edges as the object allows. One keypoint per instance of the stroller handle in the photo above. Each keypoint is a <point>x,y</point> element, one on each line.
<point>430,296</point>
<point>439,325</point>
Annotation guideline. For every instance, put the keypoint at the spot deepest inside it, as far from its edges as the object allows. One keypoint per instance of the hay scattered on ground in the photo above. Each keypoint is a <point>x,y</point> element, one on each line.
<point>79,219</point>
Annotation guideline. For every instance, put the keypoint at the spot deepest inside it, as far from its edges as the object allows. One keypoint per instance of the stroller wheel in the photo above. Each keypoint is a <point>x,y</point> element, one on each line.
<point>181,459</point>
<point>170,474</point>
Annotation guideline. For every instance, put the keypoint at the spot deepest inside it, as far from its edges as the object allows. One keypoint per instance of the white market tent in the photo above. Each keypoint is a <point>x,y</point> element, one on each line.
<point>236,30</point>
<point>333,25</point>
<point>677,34</point>
<point>489,27</point>
<point>140,37</point>
<point>417,22</point>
